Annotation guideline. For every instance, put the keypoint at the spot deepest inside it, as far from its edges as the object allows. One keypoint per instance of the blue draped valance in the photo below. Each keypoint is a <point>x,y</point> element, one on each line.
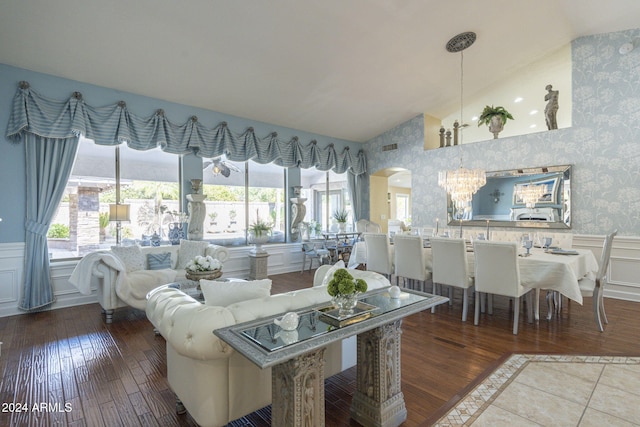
<point>114,124</point>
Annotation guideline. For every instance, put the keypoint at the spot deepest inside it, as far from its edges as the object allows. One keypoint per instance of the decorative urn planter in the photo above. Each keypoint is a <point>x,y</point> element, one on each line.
<point>496,126</point>
<point>258,241</point>
<point>495,118</point>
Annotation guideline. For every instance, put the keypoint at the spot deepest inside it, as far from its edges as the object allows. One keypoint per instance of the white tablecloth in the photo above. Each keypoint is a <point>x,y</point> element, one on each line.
<point>540,270</point>
<point>359,255</point>
<point>557,272</point>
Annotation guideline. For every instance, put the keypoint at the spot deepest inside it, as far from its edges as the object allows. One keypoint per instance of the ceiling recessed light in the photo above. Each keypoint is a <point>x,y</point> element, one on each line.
<point>532,112</point>
<point>533,126</point>
<point>518,99</point>
<point>625,48</point>
<point>474,118</point>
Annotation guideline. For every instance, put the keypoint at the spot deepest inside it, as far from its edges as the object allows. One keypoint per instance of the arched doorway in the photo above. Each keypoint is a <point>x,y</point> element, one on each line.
<point>390,196</point>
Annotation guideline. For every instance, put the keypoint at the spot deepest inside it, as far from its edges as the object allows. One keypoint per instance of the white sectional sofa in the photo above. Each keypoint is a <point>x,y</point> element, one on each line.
<point>216,384</point>
<point>125,280</point>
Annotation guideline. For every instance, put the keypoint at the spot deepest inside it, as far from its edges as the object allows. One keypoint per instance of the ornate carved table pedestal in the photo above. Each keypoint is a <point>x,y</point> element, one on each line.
<point>378,400</point>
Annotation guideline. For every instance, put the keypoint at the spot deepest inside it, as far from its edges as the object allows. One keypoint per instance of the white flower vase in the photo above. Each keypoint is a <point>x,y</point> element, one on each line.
<point>342,226</point>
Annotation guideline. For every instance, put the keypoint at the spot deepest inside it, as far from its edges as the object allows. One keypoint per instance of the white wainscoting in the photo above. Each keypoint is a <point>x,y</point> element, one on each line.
<point>624,267</point>
<point>285,258</point>
<point>11,268</point>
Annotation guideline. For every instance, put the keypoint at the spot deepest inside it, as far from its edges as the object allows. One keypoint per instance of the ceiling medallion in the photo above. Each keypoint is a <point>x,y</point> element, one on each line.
<point>461,42</point>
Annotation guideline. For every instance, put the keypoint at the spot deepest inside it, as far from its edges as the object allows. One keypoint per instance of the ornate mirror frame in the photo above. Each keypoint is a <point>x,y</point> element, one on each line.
<point>498,203</point>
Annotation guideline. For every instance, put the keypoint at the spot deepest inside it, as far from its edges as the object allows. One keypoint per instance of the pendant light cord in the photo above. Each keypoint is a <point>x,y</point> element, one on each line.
<point>461,127</point>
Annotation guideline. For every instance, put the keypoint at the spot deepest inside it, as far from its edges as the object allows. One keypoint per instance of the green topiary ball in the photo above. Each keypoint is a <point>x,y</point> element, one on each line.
<point>343,283</point>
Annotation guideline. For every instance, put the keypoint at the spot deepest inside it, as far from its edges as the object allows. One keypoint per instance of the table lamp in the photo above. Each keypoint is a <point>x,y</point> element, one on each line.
<point>118,213</point>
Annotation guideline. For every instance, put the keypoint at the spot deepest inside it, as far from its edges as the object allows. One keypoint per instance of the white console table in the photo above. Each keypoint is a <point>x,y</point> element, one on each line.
<point>298,364</point>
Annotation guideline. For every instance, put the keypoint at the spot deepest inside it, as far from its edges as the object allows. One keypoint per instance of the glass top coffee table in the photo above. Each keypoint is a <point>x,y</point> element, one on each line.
<point>298,366</point>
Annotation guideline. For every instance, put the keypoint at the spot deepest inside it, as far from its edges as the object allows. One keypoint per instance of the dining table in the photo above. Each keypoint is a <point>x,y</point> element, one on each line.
<point>340,244</point>
<point>552,270</point>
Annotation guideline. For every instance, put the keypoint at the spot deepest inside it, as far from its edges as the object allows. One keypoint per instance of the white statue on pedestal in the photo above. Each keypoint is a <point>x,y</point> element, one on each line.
<point>197,212</point>
<point>298,211</point>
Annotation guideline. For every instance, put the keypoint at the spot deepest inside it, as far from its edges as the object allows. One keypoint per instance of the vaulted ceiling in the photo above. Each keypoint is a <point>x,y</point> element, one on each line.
<point>344,68</point>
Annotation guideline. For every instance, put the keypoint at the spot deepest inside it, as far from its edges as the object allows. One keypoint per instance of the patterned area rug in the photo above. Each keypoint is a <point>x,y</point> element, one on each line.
<point>552,390</point>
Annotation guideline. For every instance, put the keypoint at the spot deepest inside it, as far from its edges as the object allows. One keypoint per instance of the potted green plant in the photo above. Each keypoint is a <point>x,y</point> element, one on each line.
<point>260,228</point>
<point>495,118</point>
<point>103,220</point>
<point>341,216</point>
<point>259,232</point>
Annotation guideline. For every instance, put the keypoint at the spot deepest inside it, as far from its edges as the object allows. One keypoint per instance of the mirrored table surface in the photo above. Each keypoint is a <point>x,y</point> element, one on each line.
<point>266,344</point>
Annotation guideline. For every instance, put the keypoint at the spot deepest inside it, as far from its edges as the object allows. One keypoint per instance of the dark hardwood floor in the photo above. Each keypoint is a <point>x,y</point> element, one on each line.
<point>115,375</point>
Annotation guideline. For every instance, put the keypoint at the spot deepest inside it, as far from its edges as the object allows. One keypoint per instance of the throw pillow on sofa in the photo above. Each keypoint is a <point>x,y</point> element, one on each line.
<point>223,294</point>
<point>131,257</point>
<point>159,261</point>
<point>189,249</point>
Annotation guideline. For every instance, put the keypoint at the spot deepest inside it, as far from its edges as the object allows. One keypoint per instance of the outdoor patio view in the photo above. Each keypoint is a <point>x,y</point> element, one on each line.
<point>149,185</point>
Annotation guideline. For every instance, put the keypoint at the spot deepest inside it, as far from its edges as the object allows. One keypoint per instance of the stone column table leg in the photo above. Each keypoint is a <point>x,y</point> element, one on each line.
<point>378,400</point>
<point>298,391</point>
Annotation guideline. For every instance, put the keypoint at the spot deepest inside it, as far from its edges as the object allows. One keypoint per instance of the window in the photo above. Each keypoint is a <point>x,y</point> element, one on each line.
<point>233,203</point>
<point>149,184</point>
<point>81,223</point>
<point>403,210</point>
<point>267,198</point>
<point>224,186</point>
<point>325,192</point>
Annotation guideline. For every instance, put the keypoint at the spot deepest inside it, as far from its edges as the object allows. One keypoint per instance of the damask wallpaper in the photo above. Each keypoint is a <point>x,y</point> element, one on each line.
<point>603,144</point>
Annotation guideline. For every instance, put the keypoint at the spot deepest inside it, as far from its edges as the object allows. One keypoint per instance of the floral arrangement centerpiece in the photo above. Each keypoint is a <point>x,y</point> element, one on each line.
<point>345,289</point>
<point>203,267</point>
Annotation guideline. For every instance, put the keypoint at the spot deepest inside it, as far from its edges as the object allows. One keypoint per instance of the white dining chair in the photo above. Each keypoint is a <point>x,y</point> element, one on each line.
<point>409,261</point>
<point>395,227</point>
<point>427,232</point>
<point>373,227</point>
<point>361,225</point>
<point>497,273</point>
<point>450,268</point>
<point>366,226</point>
<point>378,254</point>
<point>594,287</point>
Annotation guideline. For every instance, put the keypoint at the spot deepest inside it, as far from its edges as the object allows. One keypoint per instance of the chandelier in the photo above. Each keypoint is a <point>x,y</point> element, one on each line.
<point>461,184</point>
<point>530,193</point>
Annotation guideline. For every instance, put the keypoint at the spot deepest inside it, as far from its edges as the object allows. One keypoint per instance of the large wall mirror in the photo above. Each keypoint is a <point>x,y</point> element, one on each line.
<point>503,200</point>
